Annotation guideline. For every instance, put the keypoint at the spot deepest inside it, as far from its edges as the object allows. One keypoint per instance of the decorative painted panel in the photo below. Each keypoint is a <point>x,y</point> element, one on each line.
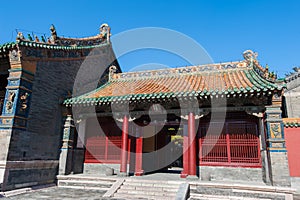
<point>274,129</point>
<point>9,103</point>
<point>17,100</point>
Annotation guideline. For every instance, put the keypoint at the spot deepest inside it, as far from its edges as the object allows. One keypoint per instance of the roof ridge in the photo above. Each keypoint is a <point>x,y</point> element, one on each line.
<point>56,46</point>
<point>291,122</point>
<point>7,46</point>
<point>82,38</point>
<point>293,75</point>
<point>88,93</point>
<point>264,82</point>
<point>178,71</point>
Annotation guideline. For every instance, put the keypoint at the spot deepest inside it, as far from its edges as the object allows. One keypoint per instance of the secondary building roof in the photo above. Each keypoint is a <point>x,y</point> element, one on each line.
<point>234,78</point>
<point>59,43</point>
<point>291,122</point>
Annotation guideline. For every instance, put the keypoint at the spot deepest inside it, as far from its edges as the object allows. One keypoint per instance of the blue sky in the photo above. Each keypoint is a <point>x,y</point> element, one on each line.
<point>224,28</point>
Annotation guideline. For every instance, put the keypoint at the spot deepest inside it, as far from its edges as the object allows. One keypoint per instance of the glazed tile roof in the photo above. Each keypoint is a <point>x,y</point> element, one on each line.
<point>291,122</point>
<point>59,43</point>
<point>294,75</point>
<point>5,48</point>
<point>198,81</point>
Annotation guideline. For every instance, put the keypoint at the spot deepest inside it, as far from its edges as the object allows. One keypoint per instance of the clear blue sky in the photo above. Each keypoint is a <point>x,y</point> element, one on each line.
<point>224,28</point>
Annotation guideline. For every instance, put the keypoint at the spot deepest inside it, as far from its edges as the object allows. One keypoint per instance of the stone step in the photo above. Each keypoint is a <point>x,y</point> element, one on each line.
<point>219,197</point>
<point>82,183</point>
<point>244,194</point>
<point>86,178</point>
<point>145,188</point>
<point>85,184</point>
<point>85,187</point>
<point>135,180</point>
<point>147,193</point>
<point>252,187</point>
<point>139,196</point>
<point>148,184</point>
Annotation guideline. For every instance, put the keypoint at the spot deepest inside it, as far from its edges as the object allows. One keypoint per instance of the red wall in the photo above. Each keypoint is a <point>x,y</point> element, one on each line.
<point>292,136</point>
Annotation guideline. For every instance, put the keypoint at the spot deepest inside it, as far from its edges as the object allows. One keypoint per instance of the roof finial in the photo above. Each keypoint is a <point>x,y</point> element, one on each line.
<point>296,69</point>
<point>20,36</point>
<point>53,34</point>
<point>112,71</point>
<point>43,39</point>
<point>105,31</point>
<point>29,37</point>
<point>250,56</point>
<point>36,38</point>
<point>267,67</point>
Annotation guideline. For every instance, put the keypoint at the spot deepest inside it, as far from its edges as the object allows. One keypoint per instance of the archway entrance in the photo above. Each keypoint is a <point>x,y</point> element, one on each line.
<point>163,148</point>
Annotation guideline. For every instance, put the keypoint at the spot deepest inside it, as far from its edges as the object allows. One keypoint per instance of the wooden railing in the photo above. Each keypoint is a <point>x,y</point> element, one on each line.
<point>237,145</point>
<point>104,149</point>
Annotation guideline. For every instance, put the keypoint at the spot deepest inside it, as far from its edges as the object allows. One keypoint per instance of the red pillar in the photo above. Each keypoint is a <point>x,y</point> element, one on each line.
<point>185,155</point>
<point>192,143</point>
<point>124,153</point>
<point>139,153</point>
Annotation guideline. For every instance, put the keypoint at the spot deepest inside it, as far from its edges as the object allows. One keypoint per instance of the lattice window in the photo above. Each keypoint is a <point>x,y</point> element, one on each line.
<point>237,145</point>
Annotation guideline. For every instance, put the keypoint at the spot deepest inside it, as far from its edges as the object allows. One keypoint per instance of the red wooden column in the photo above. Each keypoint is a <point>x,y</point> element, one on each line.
<point>185,153</point>
<point>124,153</point>
<point>139,153</point>
<point>192,143</point>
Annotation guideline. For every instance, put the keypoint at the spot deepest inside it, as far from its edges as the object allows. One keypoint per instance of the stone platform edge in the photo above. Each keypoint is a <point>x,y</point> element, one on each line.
<point>25,190</point>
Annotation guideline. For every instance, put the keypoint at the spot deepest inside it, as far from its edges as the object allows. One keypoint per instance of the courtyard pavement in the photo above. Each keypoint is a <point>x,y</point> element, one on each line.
<point>59,193</point>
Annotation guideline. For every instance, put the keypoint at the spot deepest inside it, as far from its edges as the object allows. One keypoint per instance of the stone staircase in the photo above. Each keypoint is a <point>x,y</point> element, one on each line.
<point>147,189</point>
<point>211,191</point>
<point>141,188</point>
<point>85,182</point>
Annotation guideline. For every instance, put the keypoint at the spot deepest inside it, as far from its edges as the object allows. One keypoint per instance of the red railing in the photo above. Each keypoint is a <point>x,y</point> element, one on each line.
<point>237,145</point>
<point>104,149</point>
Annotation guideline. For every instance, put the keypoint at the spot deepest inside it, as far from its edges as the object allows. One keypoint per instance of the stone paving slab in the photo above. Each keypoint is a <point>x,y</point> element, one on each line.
<point>56,193</point>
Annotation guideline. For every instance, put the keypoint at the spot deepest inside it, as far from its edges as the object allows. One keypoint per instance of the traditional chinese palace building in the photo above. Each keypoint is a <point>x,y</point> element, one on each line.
<point>215,122</point>
<point>249,145</point>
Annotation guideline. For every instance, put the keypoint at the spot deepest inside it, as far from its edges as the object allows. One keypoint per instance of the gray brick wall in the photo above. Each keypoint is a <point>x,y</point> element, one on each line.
<point>53,79</point>
<point>292,99</point>
<point>292,94</point>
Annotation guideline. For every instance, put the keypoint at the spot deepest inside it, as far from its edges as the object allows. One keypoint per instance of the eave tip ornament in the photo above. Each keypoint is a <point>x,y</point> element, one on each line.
<point>20,36</point>
<point>251,58</point>
<point>112,71</point>
<point>249,55</point>
<point>53,37</point>
<point>105,31</point>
